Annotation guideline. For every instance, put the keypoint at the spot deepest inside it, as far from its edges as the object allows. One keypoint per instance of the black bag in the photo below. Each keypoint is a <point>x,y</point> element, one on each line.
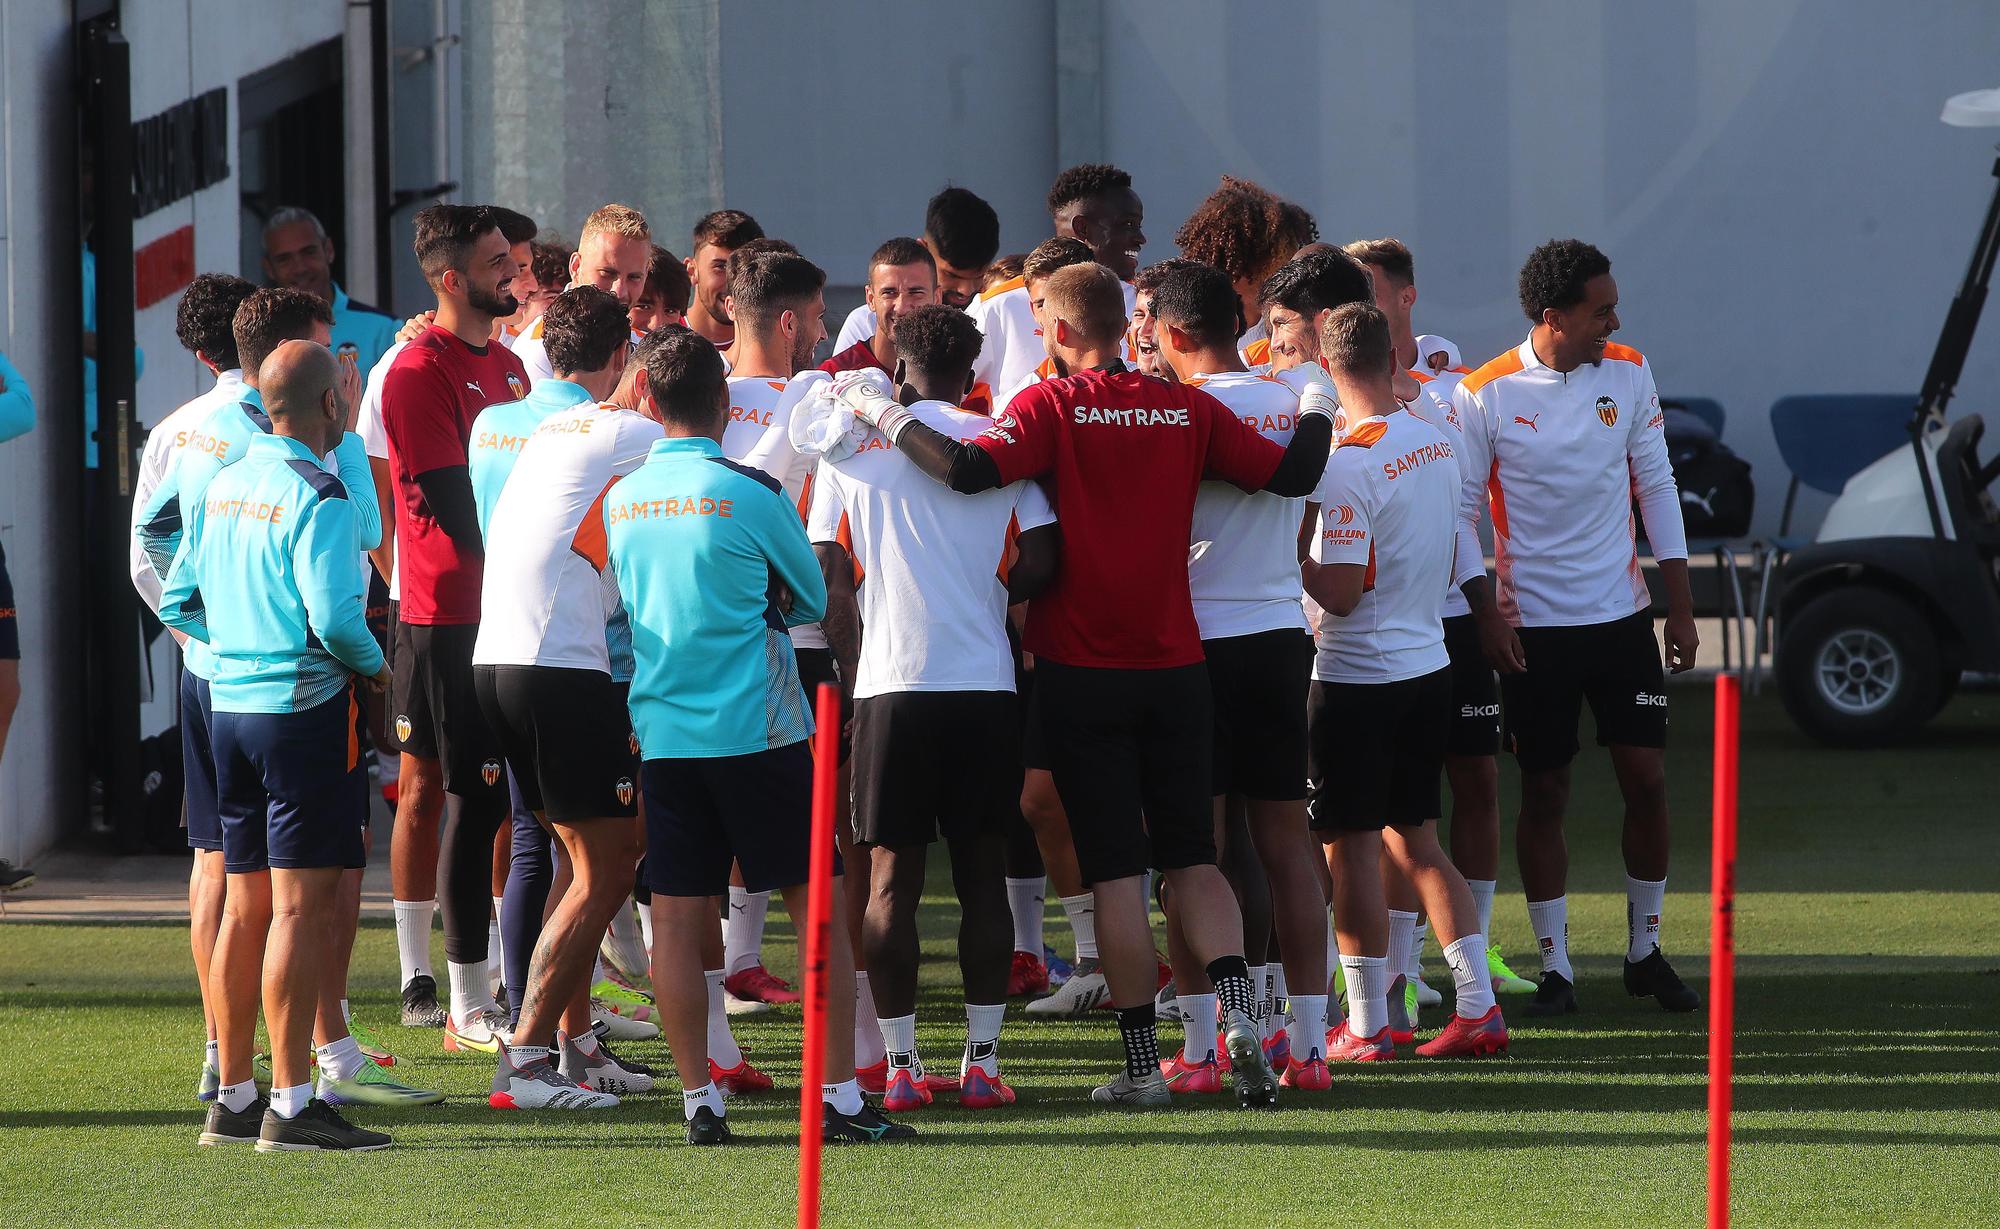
<point>1717,495</point>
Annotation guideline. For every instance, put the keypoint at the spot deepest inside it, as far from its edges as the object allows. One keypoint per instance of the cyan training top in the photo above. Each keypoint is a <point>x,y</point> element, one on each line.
<point>702,548</point>
<point>266,577</point>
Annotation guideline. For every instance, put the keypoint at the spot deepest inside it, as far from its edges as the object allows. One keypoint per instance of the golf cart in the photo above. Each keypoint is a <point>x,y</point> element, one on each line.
<point>1899,592</point>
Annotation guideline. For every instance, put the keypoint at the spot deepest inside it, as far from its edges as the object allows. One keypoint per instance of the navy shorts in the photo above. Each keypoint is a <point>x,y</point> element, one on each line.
<point>10,630</point>
<point>754,810</point>
<point>292,790</point>
<point>200,811</point>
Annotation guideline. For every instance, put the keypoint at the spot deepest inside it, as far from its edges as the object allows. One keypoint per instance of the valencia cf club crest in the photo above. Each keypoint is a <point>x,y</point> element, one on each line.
<point>348,349</point>
<point>632,741</point>
<point>402,728</point>
<point>1607,411</point>
<point>515,386</point>
<point>624,788</point>
<point>490,772</point>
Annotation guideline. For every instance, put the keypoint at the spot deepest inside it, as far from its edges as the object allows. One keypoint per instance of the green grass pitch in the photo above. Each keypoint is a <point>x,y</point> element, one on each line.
<point>1868,1086</point>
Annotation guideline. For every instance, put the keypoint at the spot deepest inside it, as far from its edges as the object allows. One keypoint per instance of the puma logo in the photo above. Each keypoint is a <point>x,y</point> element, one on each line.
<point>1529,423</point>
<point>482,392</point>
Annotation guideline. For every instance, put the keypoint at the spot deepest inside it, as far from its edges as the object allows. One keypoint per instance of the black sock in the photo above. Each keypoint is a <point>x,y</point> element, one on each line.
<point>1142,1045</point>
<point>1230,976</point>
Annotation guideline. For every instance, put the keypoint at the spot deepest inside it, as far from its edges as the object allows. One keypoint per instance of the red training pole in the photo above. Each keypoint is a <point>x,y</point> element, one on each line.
<point>819,922</point>
<point>1722,947</point>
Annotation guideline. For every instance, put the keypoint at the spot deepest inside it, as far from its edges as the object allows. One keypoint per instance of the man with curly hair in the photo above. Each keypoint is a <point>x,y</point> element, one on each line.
<point>1565,432</point>
<point>1247,232</point>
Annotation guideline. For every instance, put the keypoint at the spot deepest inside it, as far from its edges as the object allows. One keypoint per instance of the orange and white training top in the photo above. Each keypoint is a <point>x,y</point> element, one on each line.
<point>1243,559</point>
<point>1013,347</point>
<point>1561,457</point>
<point>930,563</point>
<point>759,434</point>
<point>1391,491</point>
<point>546,598</point>
<point>1433,405</point>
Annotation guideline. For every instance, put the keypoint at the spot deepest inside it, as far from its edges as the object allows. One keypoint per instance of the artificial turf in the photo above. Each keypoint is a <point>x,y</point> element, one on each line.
<point>1868,1086</point>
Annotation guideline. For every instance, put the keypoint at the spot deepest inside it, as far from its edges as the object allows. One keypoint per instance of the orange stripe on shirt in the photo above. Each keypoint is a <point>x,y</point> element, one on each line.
<point>589,540</point>
<point>1505,365</point>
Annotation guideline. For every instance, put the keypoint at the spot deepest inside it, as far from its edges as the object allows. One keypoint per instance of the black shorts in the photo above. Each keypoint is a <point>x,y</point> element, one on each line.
<point>1034,745</point>
<point>200,813</point>
<point>1259,685</point>
<point>1131,751</point>
<point>1378,752</point>
<point>1614,666</point>
<point>10,626</point>
<point>381,612</point>
<point>434,712</point>
<point>703,814</point>
<point>817,666</point>
<point>567,736</point>
<point>931,761</point>
<point>1475,691</point>
<point>293,793</point>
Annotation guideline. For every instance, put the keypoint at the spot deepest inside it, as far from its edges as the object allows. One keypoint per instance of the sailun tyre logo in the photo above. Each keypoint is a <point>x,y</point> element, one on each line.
<point>1607,411</point>
<point>1343,515</point>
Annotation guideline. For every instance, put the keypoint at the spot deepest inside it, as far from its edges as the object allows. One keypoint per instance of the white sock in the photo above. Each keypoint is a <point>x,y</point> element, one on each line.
<point>1402,937</point>
<point>844,1097</point>
<point>1281,1001</point>
<point>496,948</point>
<point>1643,899</point>
<point>982,1038</point>
<point>585,1045</point>
<point>287,1102</point>
<point>722,1049</point>
<point>469,989</point>
<point>1026,900</point>
<point>1482,900</point>
<point>413,937</point>
<point>870,1046</point>
<point>1308,1037</point>
<point>743,929</point>
<point>521,1056</point>
<point>1198,1029</point>
<point>346,1012</point>
<point>707,1094</point>
<point>1260,994</point>
<point>1367,994</point>
<point>1550,918</point>
<point>1474,985</point>
<point>646,930</point>
<point>899,1037</point>
<point>237,1097</point>
<point>1415,969</point>
<point>1082,912</point>
<point>211,1054</point>
<point>340,1059</point>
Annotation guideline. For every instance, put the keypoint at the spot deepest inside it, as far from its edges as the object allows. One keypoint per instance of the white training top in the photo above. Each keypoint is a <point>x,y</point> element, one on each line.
<point>163,448</point>
<point>759,435</point>
<point>1013,346</point>
<point>859,326</point>
<point>547,598</point>
<point>931,564</point>
<point>375,442</point>
<point>1392,505</point>
<point>1434,406</point>
<point>1560,457</point>
<point>1243,559</point>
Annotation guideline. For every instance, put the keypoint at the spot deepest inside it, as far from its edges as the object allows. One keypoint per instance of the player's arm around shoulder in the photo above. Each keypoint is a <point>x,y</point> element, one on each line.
<point>1338,577</point>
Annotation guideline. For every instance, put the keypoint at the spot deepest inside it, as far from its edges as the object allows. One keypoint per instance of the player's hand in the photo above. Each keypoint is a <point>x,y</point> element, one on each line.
<point>1404,387</point>
<point>1501,644</point>
<point>415,325</point>
<point>1682,641</point>
<point>379,681</point>
<point>867,393</point>
<point>350,386</point>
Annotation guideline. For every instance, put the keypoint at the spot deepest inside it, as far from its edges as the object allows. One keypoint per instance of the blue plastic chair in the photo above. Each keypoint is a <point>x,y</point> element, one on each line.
<point>1825,439</point>
<point>1708,409</point>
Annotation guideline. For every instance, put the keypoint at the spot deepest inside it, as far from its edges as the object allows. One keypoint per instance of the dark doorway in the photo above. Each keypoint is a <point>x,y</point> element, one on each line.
<point>292,150</point>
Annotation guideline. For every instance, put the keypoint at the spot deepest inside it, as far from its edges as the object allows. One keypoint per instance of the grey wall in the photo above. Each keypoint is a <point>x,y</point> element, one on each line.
<point>1784,210</point>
